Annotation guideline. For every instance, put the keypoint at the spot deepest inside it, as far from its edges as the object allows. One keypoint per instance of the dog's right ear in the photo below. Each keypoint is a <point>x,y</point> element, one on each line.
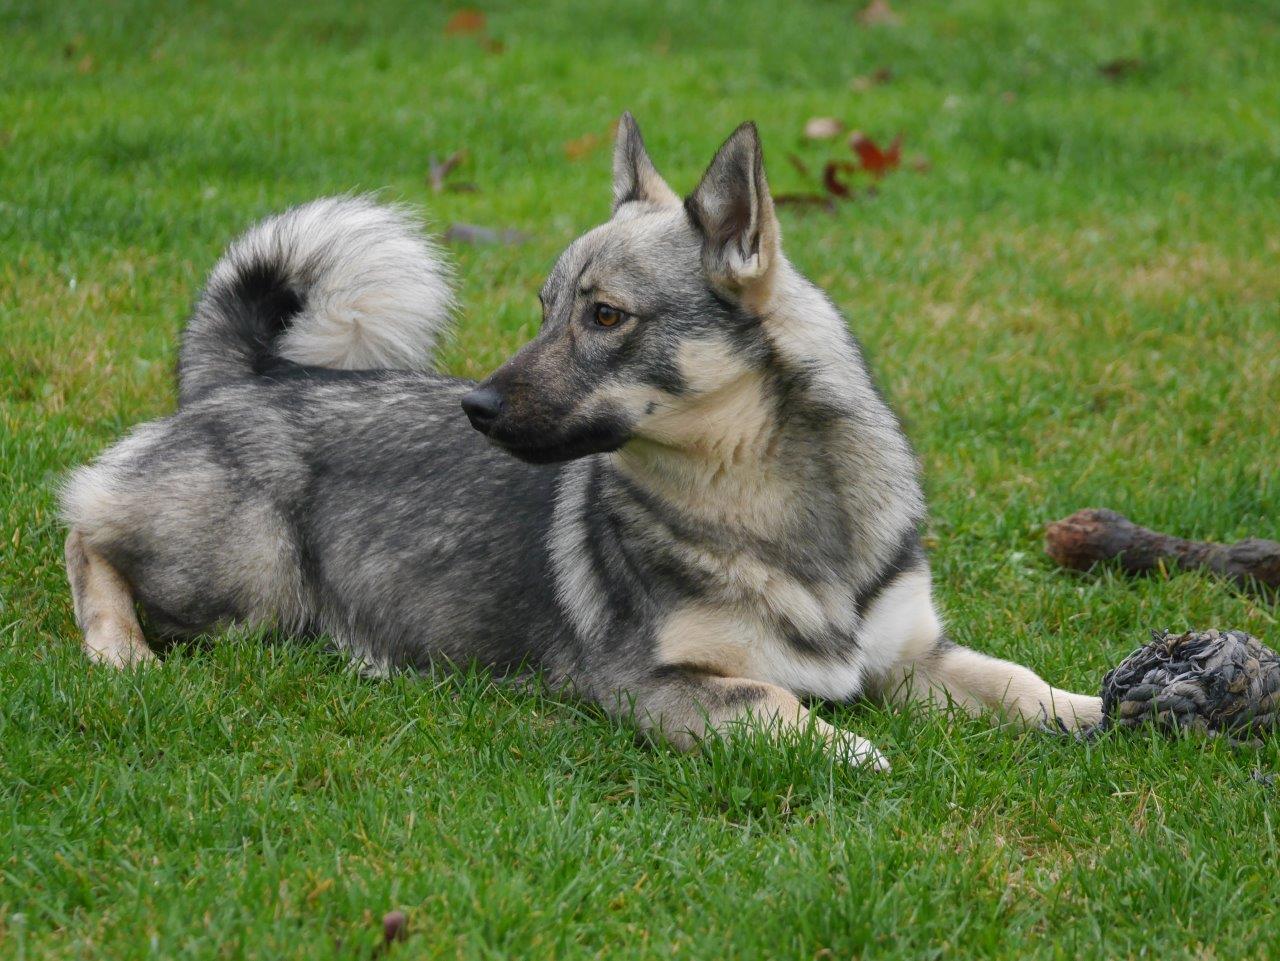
<point>634,176</point>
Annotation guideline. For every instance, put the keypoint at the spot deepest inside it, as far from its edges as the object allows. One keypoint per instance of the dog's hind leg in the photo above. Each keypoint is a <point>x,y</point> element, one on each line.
<point>978,682</point>
<point>103,605</point>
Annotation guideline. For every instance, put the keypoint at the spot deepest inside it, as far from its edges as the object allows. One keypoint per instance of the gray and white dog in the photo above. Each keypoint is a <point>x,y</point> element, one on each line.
<point>684,497</point>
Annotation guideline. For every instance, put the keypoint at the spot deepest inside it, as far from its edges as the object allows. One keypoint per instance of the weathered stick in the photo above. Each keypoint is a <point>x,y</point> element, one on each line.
<point>1092,535</point>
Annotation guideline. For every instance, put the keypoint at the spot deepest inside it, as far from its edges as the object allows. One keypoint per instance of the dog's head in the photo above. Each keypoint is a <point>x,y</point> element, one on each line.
<point>645,314</point>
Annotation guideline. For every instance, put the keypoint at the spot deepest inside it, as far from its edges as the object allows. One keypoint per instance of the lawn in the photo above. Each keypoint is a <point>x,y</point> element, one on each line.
<point>1075,304</point>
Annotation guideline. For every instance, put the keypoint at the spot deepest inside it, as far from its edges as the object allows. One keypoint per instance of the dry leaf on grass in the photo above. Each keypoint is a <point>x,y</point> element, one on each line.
<point>1120,68</point>
<point>473,23</point>
<point>801,167</point>
<point>804,200</point>
<point>823,128</point>
<point>465,22</point>
<point>438,172</point>
<point>579,147</point>
<point>878,13</point>
<point>876,78</point>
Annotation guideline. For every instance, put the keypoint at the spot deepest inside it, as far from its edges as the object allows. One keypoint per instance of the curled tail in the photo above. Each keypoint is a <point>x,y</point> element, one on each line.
<point>340,282</point>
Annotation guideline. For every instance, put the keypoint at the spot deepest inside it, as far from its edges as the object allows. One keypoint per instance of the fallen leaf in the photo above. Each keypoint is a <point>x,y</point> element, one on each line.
<point>799,164</point>
<point>484,236</point>
<point>919,163</point>
<point>1120,68</point>
<point>579,147</point>
<point>875,161</point>
<point>878,13</point>
<point>804,200</point>
<point>86,64</point>
<point>832,182</point>
<point>823,128</point>
<point>438,171</point>
<point>493,46</point>
<point>876,78</point>
<point>465,21</point>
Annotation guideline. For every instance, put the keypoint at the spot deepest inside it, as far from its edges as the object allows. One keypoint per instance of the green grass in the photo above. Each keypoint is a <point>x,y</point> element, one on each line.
<point>1075,306</point>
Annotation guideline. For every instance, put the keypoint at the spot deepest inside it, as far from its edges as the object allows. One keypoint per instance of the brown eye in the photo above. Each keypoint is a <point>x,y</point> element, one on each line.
<point>607,316</point>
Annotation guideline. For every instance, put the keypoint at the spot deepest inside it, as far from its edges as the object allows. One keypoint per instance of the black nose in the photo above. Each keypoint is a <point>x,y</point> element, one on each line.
<point>483,405</point>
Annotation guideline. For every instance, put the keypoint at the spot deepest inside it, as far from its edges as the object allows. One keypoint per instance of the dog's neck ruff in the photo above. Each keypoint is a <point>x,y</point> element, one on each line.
<point>723,465</point>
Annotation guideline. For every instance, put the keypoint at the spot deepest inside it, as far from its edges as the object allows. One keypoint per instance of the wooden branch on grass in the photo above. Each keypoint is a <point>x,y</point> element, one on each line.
<point>1093,535</point>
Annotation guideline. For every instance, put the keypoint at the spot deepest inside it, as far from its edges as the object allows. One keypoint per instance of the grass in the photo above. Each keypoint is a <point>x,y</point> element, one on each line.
<point>1075,306</point>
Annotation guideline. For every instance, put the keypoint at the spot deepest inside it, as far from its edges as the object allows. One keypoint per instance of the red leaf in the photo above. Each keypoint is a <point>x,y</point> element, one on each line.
<point>875,161</point>
<point>834,185</point>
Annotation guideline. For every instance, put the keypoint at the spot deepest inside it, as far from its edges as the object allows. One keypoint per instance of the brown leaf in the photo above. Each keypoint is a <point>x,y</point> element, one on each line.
<point>878,13</point>
<point>823,128</point>
<point>1120,68</point>
<point>465,21</point>
<point>86,64</point>
<point>832,182</point>
<point>804,200</point>
<point>876,78</point>
<point>799,164</point>
<point>875,161</point>
<point>438,171</point>
<point>579,147</point>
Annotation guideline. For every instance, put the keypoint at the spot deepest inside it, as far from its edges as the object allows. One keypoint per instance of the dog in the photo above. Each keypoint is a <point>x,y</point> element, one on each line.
<point>684,497</point>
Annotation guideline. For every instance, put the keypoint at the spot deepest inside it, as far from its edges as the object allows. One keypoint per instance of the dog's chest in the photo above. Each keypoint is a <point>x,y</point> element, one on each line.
<point>756,621</point>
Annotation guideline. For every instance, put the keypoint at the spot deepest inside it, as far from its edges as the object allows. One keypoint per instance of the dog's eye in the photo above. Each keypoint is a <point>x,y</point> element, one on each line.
<point>607,316</point>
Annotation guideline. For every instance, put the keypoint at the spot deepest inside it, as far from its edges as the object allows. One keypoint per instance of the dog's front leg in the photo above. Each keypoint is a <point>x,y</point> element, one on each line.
<point>684,705</point>
<point>978,682</point>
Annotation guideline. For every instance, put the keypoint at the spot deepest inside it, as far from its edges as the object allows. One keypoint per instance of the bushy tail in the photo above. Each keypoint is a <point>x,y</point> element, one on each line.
<point>340,282</point>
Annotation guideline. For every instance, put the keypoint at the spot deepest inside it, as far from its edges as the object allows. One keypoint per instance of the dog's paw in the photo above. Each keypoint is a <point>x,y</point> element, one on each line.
<point>847,748</point>
<point>120,646</point>
<point>1075,713</point>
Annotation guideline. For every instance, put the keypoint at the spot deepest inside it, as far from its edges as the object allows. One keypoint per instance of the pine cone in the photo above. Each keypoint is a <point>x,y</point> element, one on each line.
<point>1216,682</point>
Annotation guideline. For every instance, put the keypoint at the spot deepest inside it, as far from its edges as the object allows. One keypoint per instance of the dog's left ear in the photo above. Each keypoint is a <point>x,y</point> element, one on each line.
<point>733,209</point>
<point>634,175</point>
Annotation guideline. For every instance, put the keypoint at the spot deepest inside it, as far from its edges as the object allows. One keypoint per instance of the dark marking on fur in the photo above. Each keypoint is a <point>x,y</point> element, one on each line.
<point>907,556</point>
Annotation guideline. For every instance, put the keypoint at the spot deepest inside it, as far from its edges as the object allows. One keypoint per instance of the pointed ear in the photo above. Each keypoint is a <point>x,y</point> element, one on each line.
<point>634,176</point>
<point>733,209</point>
